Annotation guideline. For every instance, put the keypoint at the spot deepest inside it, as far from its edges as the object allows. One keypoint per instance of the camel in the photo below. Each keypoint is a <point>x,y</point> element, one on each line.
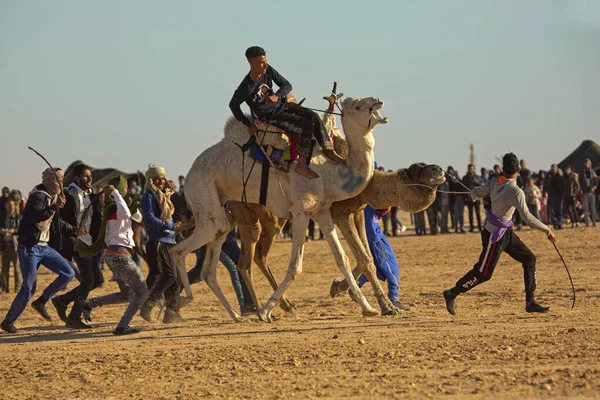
<point>216,176</point>
<point>258,226</point>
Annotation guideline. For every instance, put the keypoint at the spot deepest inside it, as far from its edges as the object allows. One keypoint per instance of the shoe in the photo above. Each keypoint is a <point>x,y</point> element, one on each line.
<point>401,306</point>
<point>8,327</point>
<point>125,331</point>
<point>146,311</point>
<point>248,311</point>
<point>61,308</point>
<point>449,297</point>
<point>533,306</point>
<point>403,229</point>
<point>172,316</point>
<point>76,323</point>
<point>86,311</point>
<point>39,305</point>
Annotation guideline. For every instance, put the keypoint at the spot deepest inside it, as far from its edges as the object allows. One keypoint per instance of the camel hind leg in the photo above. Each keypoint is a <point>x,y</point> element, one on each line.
<point>210,223</point>
<point>209,274</point>
<point>270,229</point>
<point>249,233</point>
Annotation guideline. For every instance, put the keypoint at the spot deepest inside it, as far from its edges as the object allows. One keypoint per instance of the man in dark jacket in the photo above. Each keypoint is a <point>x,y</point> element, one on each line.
<point>588,181</point>
<point>571,190</point>
<point>82,212</point>
<point>471,180</point>
<point>555,189</point>
<point>9,226</point>
<point>33,250</point>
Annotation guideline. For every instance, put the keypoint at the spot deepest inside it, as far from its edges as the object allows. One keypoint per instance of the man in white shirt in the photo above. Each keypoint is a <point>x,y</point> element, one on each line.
<point>120,244</point>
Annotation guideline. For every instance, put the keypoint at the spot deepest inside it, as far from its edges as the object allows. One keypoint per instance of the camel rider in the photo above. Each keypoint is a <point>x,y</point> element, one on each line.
<point>497,236</point>
<point>257,91</point>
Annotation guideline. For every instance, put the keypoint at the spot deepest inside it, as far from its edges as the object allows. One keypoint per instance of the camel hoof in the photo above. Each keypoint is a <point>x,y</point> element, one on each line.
<point>370,313</point>
<point>265,316</point>
<point>336,288</point>
<point>184,301</point>
<point>289,307</point>
<point>390,311</point>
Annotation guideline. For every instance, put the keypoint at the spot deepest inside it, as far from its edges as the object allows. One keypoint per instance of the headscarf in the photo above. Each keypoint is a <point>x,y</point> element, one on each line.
<point>120,183</point>
<point>50,182</point>
<point>163,197</point>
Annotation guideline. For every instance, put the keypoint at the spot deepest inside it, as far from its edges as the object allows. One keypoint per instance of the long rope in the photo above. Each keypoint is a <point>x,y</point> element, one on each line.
<point>568,273</point>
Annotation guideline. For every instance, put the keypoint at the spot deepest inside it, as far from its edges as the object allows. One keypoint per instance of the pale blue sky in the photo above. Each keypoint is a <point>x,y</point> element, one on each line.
<point>127,83</point>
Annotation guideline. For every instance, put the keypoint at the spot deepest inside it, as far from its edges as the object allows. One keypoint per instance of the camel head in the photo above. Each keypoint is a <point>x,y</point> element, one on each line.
<point>361,114</point>
<point>417,198</point>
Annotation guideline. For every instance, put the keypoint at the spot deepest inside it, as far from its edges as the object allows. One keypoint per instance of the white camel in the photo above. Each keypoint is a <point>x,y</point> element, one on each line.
<point>216,177</point>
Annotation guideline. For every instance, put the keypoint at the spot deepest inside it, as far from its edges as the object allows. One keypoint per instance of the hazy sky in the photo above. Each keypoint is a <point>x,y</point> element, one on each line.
<point>128,83</point>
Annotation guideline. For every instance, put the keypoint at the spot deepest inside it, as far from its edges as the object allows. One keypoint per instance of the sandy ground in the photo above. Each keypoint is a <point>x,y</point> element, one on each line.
<point>492,348</point>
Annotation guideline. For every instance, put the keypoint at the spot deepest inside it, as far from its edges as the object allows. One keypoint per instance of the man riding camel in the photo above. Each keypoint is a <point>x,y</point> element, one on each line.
<point>257,91</point>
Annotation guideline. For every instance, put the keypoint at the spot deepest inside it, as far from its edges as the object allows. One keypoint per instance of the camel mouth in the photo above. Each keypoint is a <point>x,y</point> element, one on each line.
<point>376,115</point>
<point>437,181</point>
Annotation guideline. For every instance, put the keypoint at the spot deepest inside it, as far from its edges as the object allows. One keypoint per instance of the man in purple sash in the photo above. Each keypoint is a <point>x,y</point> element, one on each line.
<point>497,236</point>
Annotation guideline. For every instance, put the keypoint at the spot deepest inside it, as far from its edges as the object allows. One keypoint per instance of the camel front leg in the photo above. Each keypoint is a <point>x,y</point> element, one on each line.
<point>349,227</point>
<point>295,266</point>
<point>249,233</point>
<point>327,227</point>
<point>270,229</point>
<point>209,274</point>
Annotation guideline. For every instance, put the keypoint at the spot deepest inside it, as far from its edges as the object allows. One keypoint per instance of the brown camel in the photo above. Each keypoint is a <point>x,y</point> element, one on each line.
<point>258,226</point>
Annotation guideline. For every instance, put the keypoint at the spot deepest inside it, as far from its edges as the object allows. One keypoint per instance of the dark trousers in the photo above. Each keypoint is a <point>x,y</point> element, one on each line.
<point>162,275</point>
<point>91,278</point>
<point>304,123</point>
<point>474,206</point>
<point>395,220</point>
<point>9,256</point>
<point>555,205</point>
<point>311,230</point>
<point>483,269</point>
<point>569,205</point>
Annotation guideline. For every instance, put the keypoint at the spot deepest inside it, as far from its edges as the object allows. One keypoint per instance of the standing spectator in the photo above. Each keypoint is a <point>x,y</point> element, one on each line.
<point>83,213</point>
<point>532,198</point>
<point>444,205</point>
<point>571,191</point>
<point>554,188</point>
<point>487,201</point>
<point>433,217</point>
<point>589,183</point>
<point>525,173</point>
<point>397,225</point>
<point>497,172</point>
<point>181,184</point>
<point>459,203</point>
<point>33,250</point>
<point>452,197</point>
<point>9,226</point>
<point>18,199</point>
<point>540,182</point>
<point>471,180</point>
<point>420,227</point>
<point>5,196</point>
<point>157,210</point>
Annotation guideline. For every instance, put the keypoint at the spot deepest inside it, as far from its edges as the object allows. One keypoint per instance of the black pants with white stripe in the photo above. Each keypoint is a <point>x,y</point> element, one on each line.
<point>482,271</point>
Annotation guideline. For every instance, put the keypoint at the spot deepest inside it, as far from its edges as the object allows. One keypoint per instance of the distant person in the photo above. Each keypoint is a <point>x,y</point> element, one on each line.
<point>452,197</point>
<point>5,196</point>
<point>471,180</point>
<point>9,226</point>
<point>497,237</point>
<point>18,199</point>
<point>555,190</point>
<point>532,197</point>
<point>496,172</point>
<point>181,184</point>
<point>485,177</point>
<point>444,205</point>
<point>571,191</point>
<point>459,203</point>
<point>525,173</point>
<point>588,181</point>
